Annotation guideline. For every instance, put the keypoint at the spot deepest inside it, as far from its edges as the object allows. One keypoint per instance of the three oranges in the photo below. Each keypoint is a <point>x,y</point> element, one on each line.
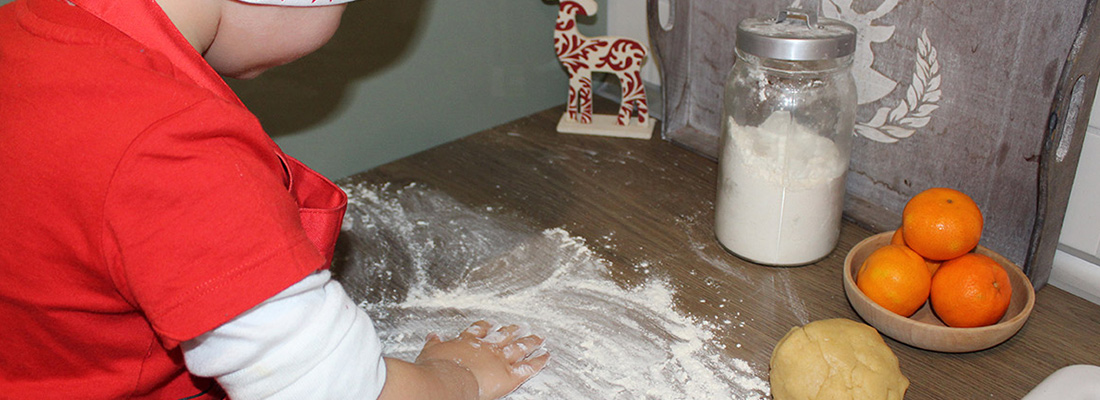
<point>930,260</point>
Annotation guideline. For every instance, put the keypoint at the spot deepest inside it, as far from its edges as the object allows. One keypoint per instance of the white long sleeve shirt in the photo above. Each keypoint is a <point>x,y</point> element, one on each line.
<point>310,341</point>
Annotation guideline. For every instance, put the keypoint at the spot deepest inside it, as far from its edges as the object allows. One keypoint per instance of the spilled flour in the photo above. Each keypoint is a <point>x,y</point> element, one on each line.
<point>445,266</point>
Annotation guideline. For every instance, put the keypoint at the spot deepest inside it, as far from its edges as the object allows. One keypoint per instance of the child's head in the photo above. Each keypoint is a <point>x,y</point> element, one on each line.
<point>242,38</point>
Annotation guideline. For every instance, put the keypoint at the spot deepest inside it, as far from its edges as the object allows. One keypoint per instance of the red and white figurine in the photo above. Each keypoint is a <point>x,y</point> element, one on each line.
<point>581,56</point>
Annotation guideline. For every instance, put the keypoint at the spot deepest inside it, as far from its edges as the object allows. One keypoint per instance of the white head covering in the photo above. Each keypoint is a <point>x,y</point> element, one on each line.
<point>298,3</point>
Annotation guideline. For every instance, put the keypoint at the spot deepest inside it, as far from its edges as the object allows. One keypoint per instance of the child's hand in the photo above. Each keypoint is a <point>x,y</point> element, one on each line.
<point>500,360</point>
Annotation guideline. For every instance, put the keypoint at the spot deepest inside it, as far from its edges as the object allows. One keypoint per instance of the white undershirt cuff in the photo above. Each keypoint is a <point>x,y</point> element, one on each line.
<point>308,341</point>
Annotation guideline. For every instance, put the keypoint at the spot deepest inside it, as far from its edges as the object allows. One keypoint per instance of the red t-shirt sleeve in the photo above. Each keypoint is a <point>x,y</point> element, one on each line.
<point>199,223</point>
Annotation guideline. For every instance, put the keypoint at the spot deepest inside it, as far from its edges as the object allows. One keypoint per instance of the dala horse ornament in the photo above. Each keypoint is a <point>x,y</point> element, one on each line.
<point>581,56</point>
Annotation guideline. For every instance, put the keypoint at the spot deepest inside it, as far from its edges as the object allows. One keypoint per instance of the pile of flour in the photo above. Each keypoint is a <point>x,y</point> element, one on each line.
<point>446,265</point>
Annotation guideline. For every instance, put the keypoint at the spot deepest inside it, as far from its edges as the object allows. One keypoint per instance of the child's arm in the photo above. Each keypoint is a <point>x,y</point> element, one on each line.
<point>309,341</point>
<point>312,341</point>
<point>480,364</point>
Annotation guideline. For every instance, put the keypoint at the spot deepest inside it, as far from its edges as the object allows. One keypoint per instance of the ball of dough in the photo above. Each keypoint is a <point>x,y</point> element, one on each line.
<point>835,359</point>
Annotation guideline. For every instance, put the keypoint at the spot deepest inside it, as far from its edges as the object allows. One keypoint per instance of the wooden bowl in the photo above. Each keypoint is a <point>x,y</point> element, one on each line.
<point>923,329</point>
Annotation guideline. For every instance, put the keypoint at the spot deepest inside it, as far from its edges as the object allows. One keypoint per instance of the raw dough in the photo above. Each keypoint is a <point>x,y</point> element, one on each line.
<point>835,359</point>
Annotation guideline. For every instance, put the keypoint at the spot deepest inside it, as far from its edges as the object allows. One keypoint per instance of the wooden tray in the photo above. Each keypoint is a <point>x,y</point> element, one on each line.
<point>991,100</point>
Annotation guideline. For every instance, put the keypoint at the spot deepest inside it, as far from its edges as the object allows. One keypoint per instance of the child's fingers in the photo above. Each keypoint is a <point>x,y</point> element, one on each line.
<point>531,366</point>
<point>510,330</point>
<point>433,338</point>
<point>502,336</point>
<point>477,330</point>
<point>522,348</point>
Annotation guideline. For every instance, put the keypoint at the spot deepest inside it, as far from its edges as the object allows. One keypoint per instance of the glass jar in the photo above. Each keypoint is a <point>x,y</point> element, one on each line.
<point>787,129</point>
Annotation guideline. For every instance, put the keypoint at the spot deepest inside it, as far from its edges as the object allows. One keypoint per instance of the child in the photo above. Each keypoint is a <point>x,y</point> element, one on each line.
<point>152,236</point>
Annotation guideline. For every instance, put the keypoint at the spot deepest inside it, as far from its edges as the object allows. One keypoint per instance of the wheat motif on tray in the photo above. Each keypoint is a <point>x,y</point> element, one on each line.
<point>890,125</point>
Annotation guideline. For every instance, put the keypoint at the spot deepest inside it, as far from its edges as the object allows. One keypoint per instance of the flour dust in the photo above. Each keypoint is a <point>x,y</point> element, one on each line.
<point>444,265</point>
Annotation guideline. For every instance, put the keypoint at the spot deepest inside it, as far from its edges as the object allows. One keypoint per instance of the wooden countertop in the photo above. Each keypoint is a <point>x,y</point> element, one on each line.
<point>651,201</point>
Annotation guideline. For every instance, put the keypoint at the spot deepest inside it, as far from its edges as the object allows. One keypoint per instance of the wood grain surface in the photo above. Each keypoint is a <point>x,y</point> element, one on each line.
<point>649,202</point>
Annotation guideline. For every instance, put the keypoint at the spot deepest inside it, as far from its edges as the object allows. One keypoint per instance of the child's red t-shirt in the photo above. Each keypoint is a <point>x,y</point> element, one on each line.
<point>141,204</point>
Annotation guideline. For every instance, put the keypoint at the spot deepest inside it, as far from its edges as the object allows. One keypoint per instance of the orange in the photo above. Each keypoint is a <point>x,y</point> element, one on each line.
<point>941,223</point>
<point>899,239</point>
<point>895,278</point>
<point>933,265</point>
<point>970,291</point>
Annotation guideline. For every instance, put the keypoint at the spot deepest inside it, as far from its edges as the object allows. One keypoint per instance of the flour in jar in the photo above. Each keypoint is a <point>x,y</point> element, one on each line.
<point>781,192</point>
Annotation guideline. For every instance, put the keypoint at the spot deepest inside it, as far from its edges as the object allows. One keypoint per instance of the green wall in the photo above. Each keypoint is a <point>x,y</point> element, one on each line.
<point>402,76</point>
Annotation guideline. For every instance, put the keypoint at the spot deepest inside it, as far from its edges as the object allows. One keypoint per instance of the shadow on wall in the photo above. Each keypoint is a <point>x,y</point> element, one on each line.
<point>373,36</point>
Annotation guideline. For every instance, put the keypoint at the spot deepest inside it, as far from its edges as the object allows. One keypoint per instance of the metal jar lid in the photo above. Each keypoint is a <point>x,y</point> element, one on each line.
<point>796,35</point>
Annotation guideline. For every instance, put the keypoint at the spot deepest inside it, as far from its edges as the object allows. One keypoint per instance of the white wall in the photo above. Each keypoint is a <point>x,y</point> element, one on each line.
<point>1077,262</point>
